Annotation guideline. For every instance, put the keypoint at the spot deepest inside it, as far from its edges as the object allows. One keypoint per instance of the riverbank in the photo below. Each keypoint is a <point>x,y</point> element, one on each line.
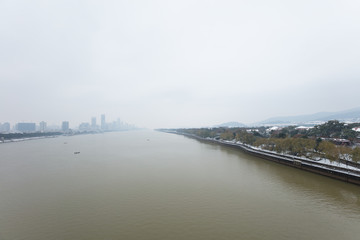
<point>19,137</point>
<point>343,172</point>
<point>25,139</point>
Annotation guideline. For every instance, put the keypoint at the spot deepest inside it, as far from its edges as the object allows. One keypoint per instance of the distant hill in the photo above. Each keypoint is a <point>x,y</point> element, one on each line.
<point>231,125</point>
<point>348,115</point>
<point>351,115</point>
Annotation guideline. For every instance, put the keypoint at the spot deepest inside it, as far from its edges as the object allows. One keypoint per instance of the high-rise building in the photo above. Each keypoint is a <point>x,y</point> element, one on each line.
<point>5,127</point>
<point>26,127</point>
<point>103,123</point>
<point>42,126</point>
<point>93,122</point>
<point>65,126</point>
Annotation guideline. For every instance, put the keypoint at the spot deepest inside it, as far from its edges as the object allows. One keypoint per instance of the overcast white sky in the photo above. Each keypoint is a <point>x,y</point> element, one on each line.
<point>177,63</point>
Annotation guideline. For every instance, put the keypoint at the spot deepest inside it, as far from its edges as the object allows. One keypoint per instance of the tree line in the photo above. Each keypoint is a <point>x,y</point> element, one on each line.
<point>313,143</point>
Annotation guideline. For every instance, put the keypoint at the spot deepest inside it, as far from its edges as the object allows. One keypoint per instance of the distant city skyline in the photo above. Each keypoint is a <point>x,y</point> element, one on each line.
<point>65,125</point>
<point>91,120</point>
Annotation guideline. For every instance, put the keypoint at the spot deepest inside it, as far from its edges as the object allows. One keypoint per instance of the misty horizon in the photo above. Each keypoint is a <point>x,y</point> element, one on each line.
<point>348,115</point>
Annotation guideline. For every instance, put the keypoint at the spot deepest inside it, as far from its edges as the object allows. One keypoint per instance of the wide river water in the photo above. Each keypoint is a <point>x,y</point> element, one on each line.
<point>153,185</point>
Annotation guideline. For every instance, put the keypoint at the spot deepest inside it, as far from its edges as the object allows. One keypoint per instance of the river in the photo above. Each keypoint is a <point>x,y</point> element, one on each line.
<point>154,185</point>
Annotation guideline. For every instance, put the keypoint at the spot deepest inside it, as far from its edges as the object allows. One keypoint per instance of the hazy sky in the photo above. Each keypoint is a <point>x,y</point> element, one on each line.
<point>177,63</point>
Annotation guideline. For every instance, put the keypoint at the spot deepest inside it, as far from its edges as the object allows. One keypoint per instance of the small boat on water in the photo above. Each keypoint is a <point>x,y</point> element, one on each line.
<point>76,152</point>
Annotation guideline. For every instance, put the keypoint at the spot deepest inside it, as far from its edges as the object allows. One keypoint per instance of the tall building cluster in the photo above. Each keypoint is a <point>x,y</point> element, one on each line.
<point>104,126</point>
<point>26,127</point>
